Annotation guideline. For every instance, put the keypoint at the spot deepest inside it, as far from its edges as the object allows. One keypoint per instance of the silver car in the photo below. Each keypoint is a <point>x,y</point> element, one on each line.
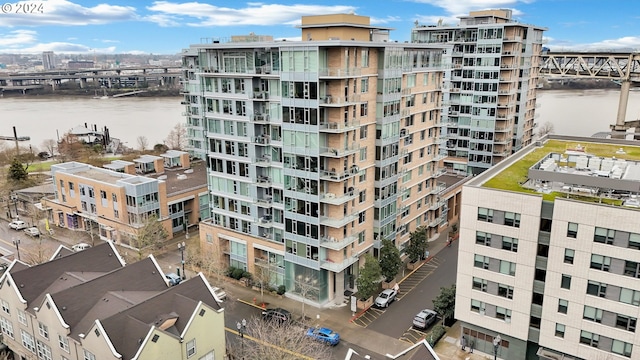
<point>386,297</point>
<point>424,319</point>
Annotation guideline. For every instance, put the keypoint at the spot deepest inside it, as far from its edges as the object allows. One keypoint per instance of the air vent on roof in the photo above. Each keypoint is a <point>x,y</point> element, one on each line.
<point>182,177</point>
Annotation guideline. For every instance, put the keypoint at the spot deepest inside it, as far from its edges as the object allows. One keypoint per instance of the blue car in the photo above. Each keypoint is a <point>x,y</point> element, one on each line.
<point>325,335</point>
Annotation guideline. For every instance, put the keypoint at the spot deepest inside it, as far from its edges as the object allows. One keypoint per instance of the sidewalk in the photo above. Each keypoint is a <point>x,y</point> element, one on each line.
<point>338,318</point>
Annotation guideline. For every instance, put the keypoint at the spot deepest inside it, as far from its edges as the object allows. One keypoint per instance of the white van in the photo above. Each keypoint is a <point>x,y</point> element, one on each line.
<point>80,247</point>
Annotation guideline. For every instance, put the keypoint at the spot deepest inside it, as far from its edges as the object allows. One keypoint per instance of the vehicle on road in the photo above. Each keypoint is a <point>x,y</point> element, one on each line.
<point>18,225</point>
<point>173,279</point>
<point>424,319</point>
<point>324,335</point>
<point>32,231</point>
<point>277,314</point>
<point>80,247</point>
<point>386,297</point>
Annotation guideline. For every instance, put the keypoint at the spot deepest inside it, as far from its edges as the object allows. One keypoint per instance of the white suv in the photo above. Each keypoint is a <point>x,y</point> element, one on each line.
<point>18,225</point>
<point>424,319</point>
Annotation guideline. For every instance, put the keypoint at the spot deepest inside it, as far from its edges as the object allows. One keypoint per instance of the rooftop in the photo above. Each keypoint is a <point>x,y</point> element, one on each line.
<point>184,180</point>
<point>586,169</point>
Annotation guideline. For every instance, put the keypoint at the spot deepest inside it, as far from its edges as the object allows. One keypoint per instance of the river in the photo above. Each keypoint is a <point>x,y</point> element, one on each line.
<point>572,112</point>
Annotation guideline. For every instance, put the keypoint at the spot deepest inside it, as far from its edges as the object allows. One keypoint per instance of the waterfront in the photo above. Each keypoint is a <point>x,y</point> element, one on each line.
<point>573,112</point>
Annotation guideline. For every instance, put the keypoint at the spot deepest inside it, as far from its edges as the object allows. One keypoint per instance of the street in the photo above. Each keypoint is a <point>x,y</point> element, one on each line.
<point>32,249</point>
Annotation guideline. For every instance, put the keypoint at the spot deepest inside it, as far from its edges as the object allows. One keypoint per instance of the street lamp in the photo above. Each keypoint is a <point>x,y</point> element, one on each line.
<point>496,344</point>
<point>181,247</point>
<point>16,242</point>
<point>242,329</point>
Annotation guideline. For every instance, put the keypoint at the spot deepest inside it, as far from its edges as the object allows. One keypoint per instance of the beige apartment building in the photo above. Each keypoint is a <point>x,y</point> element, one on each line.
<point>89,305</point>
<point>317,149</point>
<point>113,202</point>
<point>492,94</point>
<point>549,254</point>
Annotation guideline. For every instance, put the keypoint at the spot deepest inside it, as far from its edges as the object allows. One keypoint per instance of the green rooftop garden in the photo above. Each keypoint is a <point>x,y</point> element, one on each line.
<point>513,176</point>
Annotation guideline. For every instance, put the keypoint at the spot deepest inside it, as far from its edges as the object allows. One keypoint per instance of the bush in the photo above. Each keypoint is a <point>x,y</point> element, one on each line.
<point>246,274</point>
<point>237,273</point>
<point>436,334</point>
<point>230,271</point>
<point>281,290</point>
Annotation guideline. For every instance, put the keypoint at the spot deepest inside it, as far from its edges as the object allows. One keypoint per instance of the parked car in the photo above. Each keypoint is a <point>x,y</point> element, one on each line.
<point>325,335</point>
<point>173,279</point>
<point>221,294</point>
<point>278,315</point>
<point>18,225</point>
<point>386,297</point>
<point>424,319</point>
<point>32,231</point>
<point>80,247</point>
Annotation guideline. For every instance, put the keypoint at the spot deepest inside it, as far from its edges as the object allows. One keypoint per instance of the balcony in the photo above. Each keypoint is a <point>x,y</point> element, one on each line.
<point>338,223</point>
<point>436,205</point>
<point>264,160</point>
<point>264,202</point>
<point>333,243</point>
<point>339,73</point>
<point>438,189</point>
<point>260,95</point>
<point>437,221</point>
<point>336,128</point>
<point>263,180</point>
<point>333,199</point>
<point>333,175</point>
<point>331,265</point>
<point>265,221</point>
<point>261,140</point>
<point>338,101</point>
<point>340,152</point>
<point>260,118</point>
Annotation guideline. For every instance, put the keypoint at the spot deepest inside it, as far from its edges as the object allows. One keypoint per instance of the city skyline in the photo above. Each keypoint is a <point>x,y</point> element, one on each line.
<point>167,27</point>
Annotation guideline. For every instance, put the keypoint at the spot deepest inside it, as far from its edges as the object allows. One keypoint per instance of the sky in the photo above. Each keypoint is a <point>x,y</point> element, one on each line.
<point>167,27</point>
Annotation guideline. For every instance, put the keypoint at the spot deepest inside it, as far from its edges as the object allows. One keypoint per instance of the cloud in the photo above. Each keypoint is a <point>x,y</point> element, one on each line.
<point>66,13</point>
<point>462,7</point>
<point>16,38</point>
<point>198,14</point>
<point>59,47</point>
<point>626,43</point>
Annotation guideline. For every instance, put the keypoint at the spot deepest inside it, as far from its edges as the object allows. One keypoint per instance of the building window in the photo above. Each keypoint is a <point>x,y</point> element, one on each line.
<point>563,306</point>
<point>560,330</point>
<point>509,243</point>
<point>505,291</point>
<point>589,338</point>
<point>597,289</point>
<point>626,322</point>
<point>28,342</point>
<point>44,351</point>
<point>507,267</point>
<point>512,219</point>
<point>503,314</point>
<point>477,306</point>
<point>364,85</point>
<point>632,268</point>
<point>482,238</point>
<point>103,195</point>
<point>600,262</point>
<point>364,131</point>
<point>63,342</point>
<point>88,355</point>
<point>481,262</point>
<point>5,307</point>
<point>568,256</point>
<point>22,317</point>
<point>191,348</point>
<point>6,326</point>
<point>362,196</point>
<point>361,237</point>
<point>593,314</point>
<point>364,110</point>
<point>485,214</point>
<point>604,236</point>
<point>43,330</point>
<point>572,230</point>
<point>565,282</point>
<point>621,348</point>
<point>480,284</point>
<point>362,217</point>
<point>629,296</point>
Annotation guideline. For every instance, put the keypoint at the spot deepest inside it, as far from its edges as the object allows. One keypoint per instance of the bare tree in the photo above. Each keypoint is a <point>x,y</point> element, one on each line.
<point>39,253</point>
<point>306,286</point>
<point>152,233</point>
<point>546,128</point>
<point>208,259</point>
<point>143,142</point>
<point>49,145</point>
<point>263,271</point>
<point>177,138</point>
<point>268,340</point>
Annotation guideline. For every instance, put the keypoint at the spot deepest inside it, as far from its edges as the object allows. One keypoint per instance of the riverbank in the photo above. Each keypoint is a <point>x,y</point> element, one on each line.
<point>91,92</point>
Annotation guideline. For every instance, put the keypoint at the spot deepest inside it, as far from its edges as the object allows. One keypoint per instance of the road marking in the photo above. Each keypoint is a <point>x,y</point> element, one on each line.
<point>235,332</point>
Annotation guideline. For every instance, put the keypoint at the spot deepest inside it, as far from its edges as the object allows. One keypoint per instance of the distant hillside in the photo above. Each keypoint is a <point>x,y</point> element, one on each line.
<point>568,84</point>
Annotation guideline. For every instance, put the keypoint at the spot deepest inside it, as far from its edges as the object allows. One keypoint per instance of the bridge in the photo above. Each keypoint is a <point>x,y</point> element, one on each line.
<point>105,77</point>
<point>623,67</point>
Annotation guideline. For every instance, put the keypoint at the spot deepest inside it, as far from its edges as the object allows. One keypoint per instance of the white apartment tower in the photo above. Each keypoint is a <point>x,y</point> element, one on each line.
<point>317,149</point>
<point>492,94</point>
<point>549,255</point>
<point>48,60</point>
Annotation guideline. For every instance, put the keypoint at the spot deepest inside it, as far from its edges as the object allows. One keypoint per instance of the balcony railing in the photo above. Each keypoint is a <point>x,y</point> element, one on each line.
<point>340,100</point>
<point>334,266</point>
<point>338,223</point>
<point>333,243</point>
<point>334,72</point>
<point>338,176</point>
<point>341,151</point>
<point>336,199</point>
<point>336,127</point>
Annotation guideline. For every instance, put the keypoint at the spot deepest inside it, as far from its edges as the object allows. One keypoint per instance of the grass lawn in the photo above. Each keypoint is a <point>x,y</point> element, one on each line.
<point>46,165</point>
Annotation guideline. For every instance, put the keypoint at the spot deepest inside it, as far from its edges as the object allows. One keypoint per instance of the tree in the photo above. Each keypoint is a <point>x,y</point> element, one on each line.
<point>390,260</point>
<point>305,285</point>
<point>160,148</point>
<point>546,128</point>
<point>418,244</point>
<point>275,341</point>
<point>50,146</point>
<point>143,142</point>
<point>177,138</point>
<point>445,303</point>
<point>369,277</point>
<point>17,172</point>
<point>152,233</point>
<point>208,260</point>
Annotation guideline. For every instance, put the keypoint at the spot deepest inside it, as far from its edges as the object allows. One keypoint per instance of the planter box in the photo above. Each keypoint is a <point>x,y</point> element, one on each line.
<point>364,304</point>
<point>388,285</point>
<point>413,266</point>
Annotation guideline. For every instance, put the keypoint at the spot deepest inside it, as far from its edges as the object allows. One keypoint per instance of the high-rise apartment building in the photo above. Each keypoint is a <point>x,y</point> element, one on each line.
<point>48,60</point>
<point>549,257</point>
<point>492,94</point>
<point>317,149</point>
